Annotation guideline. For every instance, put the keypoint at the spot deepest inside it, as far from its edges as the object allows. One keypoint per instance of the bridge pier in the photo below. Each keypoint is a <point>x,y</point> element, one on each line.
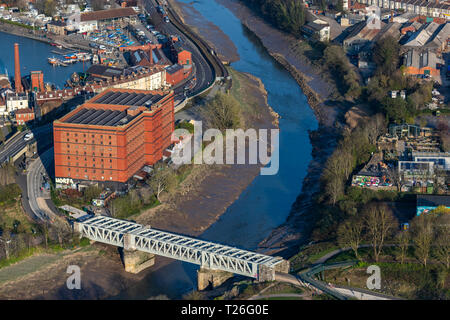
<point>268,274</point>
<point>136,261</point>
<point>211,278</point>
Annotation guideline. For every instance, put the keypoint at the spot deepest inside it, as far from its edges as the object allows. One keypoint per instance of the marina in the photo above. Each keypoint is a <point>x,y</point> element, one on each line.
<point>69,58</point>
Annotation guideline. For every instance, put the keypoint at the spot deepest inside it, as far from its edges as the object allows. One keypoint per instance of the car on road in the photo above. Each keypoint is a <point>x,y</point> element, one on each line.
<point>166,19</point>
<point>28,136</point>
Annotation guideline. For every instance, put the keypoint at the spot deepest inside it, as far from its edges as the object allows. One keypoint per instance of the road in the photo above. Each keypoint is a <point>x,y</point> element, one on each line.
<point>204,74</point>
<point>15,144</point>
<point>36,196</point>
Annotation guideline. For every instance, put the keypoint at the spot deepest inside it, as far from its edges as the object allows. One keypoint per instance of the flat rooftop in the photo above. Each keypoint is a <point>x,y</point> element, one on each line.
<point>127,99</point>
<point>100,117</point>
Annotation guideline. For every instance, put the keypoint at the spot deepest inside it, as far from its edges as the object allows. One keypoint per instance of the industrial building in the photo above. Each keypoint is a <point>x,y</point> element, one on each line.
<point>427,203</point>
<point>112,136</point>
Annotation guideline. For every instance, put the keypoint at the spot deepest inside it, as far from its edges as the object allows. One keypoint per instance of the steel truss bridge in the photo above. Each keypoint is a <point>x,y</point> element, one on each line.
<point>210,255</point>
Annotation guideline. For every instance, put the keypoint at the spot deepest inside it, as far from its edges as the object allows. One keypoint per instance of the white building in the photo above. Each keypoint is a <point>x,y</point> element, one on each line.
<point>16,101</point>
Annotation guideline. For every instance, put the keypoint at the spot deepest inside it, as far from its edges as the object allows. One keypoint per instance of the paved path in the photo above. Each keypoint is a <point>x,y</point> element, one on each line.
<point>280,295</point>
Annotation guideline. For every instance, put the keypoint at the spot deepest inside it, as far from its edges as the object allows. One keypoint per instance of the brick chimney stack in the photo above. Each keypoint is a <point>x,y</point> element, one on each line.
<point>17,77</point>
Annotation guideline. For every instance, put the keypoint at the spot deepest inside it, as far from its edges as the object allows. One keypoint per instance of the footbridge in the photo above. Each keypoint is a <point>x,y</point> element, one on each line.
<point>208,255</point>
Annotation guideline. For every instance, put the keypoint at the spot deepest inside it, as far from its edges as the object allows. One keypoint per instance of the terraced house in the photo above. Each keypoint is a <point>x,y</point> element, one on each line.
<point>432,8</point>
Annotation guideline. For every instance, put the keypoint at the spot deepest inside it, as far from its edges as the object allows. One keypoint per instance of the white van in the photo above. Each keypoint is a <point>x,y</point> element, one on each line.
<point>28,136</point>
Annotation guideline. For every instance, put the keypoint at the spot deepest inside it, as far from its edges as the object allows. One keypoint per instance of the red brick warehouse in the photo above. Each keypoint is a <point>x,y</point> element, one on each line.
<point>113,135</point>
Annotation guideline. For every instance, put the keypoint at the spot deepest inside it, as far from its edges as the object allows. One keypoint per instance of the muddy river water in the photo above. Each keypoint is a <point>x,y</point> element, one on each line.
<point>267,201</point>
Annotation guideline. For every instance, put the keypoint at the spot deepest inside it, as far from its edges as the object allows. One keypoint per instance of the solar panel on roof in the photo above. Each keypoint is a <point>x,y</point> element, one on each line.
<point>93,116</point>
<point>104,97</point>
<point>135,98</point>
<point>107,118</point>
<point>128,99</point>
<point>143,100</point>
<point>77,115</point>
<point>119,98</point>
<point>84,116</point>
<point>99,118</point>
<point>116,119</point>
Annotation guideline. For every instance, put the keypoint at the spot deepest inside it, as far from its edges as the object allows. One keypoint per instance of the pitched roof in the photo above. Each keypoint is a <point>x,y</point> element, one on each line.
<point>420,37</point>
<point>24,111</point>
<point>432,200</point>
<point>107,14</point>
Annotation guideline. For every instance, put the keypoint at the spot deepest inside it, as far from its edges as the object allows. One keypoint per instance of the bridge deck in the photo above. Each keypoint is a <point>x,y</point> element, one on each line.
<point>134,236</point>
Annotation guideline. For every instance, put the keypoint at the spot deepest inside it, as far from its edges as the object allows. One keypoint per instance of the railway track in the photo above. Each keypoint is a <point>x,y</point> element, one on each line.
<point>219,69</point>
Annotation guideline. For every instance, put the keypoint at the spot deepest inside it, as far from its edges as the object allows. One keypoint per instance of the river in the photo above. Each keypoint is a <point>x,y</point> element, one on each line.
<point>33,57</point>
<point>267,201</point>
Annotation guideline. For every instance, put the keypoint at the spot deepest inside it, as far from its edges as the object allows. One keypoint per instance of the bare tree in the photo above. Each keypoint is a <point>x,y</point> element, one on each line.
<point>163,179</point>
<point>422,236</point>
<point>394,175</point>
<point>375,127</point>
<point>350,234</point>
<point>403,240</point>
<point>380,223</point>
<point>441,248</point>
<point>223,112</point>
<point>6,241</point>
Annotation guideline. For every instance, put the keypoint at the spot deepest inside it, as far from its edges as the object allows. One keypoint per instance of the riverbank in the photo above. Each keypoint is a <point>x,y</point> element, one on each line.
<point>198,202</point>
<point>286,238</point>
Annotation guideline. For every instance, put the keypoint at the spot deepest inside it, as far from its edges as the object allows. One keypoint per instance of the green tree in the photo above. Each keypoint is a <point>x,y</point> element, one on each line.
<point>395,109</point>
<point>386,55</point>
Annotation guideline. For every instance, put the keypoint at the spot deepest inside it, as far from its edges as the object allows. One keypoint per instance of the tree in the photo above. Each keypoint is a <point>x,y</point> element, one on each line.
<point>375,127</point>
<point>47,7</point>
<point>98,4</point>
<point>386,55</point>
<point>441,248</point>
<point>380,224</point>
<point>444,134</point>
<point>403,240</point>
<point>163,179</point>
<point>395,109</point>
<point>422,236</point>
<point>395,177</point>
<point>350,234</point>
<point>6,240</point>
<point>223,112</point>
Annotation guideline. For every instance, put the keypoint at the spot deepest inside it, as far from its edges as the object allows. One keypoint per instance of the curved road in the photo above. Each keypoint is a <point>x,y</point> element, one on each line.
<point>204,74</point>
<point>36,197</point>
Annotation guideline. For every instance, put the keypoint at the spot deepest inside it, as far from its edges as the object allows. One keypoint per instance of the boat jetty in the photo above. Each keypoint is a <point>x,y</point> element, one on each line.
<point>68,58</point>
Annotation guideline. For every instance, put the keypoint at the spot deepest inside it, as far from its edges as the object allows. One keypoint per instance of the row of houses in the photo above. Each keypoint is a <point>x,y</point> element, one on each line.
<point>89,21</point>
<point>421,7</point>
